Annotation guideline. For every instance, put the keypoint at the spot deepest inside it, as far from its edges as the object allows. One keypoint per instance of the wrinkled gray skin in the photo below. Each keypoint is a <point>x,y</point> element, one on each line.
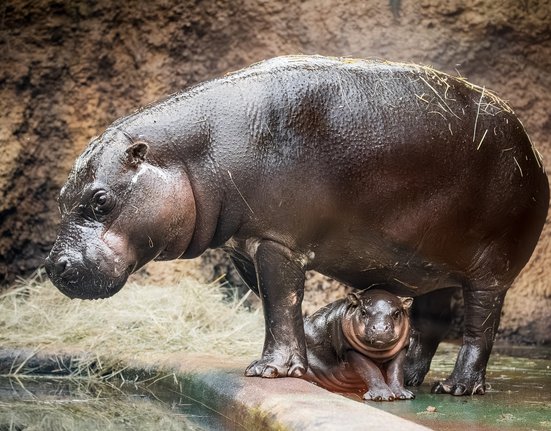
<point>358,344</point>
<point>368,172</point>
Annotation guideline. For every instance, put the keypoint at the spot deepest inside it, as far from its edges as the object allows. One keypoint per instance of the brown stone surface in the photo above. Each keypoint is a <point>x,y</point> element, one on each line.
<point>68,69</point>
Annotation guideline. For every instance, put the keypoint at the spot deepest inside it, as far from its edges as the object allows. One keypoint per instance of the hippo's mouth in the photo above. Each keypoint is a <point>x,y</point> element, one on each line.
<point>78,293</point>
<point>379,344</point>
<point>86,284</point>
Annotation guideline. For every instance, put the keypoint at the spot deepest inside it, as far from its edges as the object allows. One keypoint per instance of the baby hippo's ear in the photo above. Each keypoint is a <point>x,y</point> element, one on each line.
<point>135,153</point>
<point>353,299</point>
<point>406,302</point>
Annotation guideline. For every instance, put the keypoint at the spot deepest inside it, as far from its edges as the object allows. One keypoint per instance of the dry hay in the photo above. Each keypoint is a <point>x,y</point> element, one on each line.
<point>189,316</point>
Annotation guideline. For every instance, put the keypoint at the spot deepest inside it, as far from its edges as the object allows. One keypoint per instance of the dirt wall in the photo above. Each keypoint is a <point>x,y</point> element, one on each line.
<point>68,69</point>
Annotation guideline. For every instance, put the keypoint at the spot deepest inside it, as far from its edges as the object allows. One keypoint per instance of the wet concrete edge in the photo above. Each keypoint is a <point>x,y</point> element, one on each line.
<point>218,384</point>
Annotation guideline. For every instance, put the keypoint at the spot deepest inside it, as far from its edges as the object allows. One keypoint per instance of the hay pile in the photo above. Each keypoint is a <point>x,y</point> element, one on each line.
<point>141,318</point>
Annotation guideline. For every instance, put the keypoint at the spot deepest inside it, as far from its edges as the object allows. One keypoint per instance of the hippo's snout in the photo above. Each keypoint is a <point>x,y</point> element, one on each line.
<point>381,334</point>
<point>73,276</point>
<point>380,328</point>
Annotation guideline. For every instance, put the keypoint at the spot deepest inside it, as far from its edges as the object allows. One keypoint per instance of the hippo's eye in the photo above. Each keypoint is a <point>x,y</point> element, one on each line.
<point>396,314</point>
<point>101,202</point>
<point>363,312</point>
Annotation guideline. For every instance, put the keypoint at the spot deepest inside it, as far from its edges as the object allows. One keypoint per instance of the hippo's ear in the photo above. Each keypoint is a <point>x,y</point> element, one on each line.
<point>353,299</point>
<point>406,302</point>
<point>135,153</point>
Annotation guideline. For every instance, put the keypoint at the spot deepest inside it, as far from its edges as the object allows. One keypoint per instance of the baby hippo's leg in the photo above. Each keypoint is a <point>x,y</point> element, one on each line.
<point>395,377</point>
<point>377,389</point>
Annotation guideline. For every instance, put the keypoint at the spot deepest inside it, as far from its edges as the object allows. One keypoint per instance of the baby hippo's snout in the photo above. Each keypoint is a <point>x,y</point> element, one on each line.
<point>381,333</point>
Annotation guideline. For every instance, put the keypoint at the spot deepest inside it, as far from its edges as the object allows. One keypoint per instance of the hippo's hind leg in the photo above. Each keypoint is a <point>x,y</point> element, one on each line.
<point>245,268</point>
<point>430,318</point>
<point>482,314</point>
<point>281,286</point>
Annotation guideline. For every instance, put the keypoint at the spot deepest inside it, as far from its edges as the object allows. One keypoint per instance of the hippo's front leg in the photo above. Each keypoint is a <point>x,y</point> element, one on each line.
<point>377,389</point>
<point>280,275</point>
<point>395,377</point>
<point>482,314</point>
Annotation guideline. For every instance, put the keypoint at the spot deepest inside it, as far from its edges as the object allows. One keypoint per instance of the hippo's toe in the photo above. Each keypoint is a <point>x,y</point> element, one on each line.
<point>269,372</point>
<point>270,367</point>
<point>403,394</point>
<point>297,370</point>
<point>379,394</point>
<point>458,388</point>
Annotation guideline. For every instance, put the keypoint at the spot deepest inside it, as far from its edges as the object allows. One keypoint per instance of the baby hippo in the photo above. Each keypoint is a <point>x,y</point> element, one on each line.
<point>358,345</point>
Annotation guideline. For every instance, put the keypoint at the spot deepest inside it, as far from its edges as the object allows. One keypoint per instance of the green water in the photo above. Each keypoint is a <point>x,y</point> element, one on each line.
<point>76,404</point>
<point>519,396</point>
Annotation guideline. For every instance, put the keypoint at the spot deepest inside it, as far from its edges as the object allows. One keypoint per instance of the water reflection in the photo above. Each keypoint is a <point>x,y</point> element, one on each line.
<point>82,404</point>
<point>518,398</point>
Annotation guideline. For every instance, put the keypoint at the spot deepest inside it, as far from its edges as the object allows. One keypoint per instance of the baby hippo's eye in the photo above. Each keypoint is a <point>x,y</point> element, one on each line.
<point>363,312</point>
<point>396,314</point>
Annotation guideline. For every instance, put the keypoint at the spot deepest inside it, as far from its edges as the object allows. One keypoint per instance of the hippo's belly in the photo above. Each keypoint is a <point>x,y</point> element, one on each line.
<point>337,378</point>
<point>355,252</point>
<point>401,270</point>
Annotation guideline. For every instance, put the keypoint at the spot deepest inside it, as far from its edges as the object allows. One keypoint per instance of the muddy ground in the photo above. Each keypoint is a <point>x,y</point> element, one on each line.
<point>69,68</point>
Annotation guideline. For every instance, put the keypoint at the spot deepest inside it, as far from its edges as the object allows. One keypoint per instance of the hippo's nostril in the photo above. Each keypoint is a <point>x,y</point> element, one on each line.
<point>50,267</point>
<point>61,265</point>
<point>57,267</point>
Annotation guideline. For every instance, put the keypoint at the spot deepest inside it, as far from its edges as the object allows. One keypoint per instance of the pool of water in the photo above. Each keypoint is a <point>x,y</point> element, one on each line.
<point>518,398</point>
<point>45,403</point>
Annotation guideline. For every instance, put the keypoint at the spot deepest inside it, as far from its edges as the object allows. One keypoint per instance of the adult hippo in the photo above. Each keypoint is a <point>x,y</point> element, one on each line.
<point>370,172</point>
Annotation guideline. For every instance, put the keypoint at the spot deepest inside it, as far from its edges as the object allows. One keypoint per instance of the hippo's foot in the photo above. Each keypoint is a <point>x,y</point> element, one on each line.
<point>401,393</point>
<point>414,373</point>
<point>418,359</point>
<point>272,366</point>
<point>379,394</point>
<point>459,387</point>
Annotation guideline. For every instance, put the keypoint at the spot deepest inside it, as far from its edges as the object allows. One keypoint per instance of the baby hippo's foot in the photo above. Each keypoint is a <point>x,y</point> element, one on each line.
<point>401,393</point>
<point>382,393</point>
<point>277,365</point>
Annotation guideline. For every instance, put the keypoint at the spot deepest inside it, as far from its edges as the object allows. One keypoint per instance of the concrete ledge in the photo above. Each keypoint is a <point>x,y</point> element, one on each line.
<point>290,404</point>
<point>247,403</point>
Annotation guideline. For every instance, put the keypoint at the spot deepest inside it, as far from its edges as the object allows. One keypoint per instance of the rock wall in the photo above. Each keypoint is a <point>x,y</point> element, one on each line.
<point>69,68</point>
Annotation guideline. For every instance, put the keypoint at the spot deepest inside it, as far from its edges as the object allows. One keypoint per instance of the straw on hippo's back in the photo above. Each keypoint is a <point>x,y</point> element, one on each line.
<point>369,172</point>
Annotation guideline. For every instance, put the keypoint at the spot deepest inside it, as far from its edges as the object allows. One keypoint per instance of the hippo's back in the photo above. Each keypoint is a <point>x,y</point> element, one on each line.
<point>388,166</point>
<point>394,159</point>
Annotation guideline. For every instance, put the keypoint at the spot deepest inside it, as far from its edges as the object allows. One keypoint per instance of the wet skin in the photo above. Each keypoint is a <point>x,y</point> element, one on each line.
<point>358,344</point>
<point>372,173</point>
